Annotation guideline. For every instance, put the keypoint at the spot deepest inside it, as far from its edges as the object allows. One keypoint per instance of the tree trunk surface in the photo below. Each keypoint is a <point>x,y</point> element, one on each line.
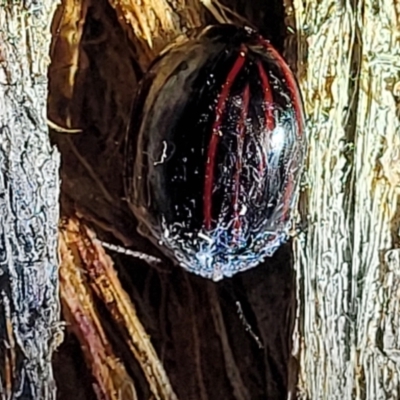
<point>348,263</point>
<point>319,320</point>
<point>29,210</point>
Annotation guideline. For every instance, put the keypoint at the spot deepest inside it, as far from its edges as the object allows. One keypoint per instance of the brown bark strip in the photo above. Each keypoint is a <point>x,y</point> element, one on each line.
<point>112,382</point>
<point>103,281</point>
<point>66,61</point>
<point>152,24</point>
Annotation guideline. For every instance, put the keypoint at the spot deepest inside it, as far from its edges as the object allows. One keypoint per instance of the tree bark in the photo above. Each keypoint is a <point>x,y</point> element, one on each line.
<point>29,212</point>
<point>348,264</point>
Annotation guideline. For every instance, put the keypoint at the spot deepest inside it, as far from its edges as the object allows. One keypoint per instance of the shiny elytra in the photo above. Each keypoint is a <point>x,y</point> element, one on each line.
<point>215,151</point>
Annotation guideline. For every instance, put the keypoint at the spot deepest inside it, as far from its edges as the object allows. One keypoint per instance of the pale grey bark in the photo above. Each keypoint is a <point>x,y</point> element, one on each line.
<point>29,212</point>
<point>348,263</point>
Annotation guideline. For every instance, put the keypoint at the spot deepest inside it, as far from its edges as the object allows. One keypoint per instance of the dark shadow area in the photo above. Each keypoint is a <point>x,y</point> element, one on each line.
<point>72,377</point>
<point>198,327</point>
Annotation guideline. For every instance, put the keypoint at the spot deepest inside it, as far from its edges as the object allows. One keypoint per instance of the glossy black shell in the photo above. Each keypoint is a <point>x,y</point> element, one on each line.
<point>215,151</point>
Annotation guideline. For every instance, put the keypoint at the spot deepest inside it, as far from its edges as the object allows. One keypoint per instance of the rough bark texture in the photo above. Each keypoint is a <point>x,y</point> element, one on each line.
<point>29,212</point>
<point>348,263</point>
<point>86,273</point>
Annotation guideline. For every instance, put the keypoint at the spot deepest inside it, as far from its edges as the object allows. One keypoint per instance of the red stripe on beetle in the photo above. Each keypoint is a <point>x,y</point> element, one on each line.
<point>268,99</point>
<point>292,85</point>
<point>269,115</point>
<point>295,96</point>
<point>215,135</point>
<point>241,129</point>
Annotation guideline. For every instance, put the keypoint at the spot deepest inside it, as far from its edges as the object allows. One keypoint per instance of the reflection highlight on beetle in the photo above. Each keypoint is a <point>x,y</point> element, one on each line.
<point>215,151</point>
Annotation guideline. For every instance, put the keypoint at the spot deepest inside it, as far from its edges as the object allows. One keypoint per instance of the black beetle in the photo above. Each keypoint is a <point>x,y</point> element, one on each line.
<point>215,151</point>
